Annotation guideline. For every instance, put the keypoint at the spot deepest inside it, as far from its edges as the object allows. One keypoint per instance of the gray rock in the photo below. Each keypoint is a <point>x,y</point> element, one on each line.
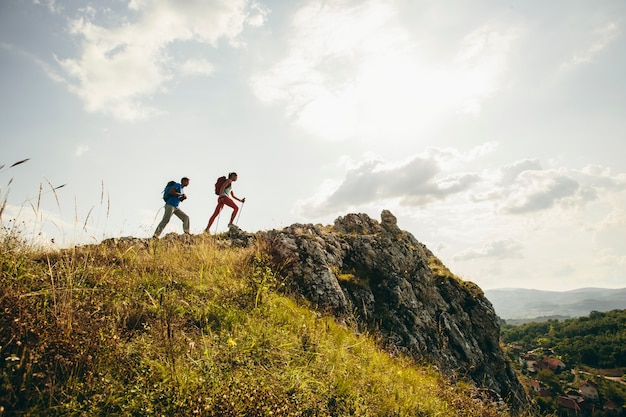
<point>388,283</point>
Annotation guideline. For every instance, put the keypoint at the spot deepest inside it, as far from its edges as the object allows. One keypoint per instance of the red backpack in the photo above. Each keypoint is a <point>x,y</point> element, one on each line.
<point>218,184</point>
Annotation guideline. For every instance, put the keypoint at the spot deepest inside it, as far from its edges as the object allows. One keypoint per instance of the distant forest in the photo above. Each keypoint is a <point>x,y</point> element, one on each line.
<point>598,340</point>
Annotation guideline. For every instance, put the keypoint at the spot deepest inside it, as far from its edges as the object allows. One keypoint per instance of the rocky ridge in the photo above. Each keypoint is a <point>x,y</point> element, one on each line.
<point>388,283</point>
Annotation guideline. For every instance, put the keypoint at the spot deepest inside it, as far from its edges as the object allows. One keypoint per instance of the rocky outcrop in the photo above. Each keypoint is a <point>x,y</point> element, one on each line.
<point>381,278</point>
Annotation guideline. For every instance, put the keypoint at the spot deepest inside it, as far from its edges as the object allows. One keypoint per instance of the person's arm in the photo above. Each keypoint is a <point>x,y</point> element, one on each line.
<point>243,200</point>
<point>177,193</point>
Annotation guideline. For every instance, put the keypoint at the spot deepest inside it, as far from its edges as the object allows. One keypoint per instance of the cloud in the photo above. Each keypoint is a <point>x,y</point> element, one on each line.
<point>508,248</point>
<point>480,63</point>
<point>197,67</point>
<point>122,66</point>
<point>526,188</point>
<point>601,177</point>
<point>324,73</point>
<point>614,220</point>
<point>600,39</point>
<point>540,190</point>
<point>419,181</point>
<point>80,150</point>
<point>47,68</point>
<point>258,15</point>
<point>437,175</point>
<point>510,173</point>
<point>51,5</point>
<point>608,258</point>
<point>358,71</point>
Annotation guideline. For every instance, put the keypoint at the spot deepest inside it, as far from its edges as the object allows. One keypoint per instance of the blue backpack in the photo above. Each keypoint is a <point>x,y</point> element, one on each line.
<point>166,190</point>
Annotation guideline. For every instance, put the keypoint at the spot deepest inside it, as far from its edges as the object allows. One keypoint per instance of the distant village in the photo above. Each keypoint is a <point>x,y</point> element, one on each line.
<point>579,397</point>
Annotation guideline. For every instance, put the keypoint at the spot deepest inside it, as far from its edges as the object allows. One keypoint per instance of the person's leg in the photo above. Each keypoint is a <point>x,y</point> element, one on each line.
<point>168,210</point>
<point>218,208</point>
<point>231,203</point>
<point>184,217</point>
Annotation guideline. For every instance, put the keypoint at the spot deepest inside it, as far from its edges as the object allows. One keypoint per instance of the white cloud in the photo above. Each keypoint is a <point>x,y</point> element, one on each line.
<point>540,190</point>
<point>80,150</point>
<point>600,39</point>
<point>436,181</point>
<point>258,15</point>
<point>417,181</point>
<point>601,177</point>
<point>197,67</point>
<point>47,68</point>
<point>510,173</point>
<point>480,64</point>
<point>508,248</point>
<point>615,219</point>
<point>330,65</point>
<point>527,188</point>
<point>123,66</point>
<point>357,71</point>
<point>51,5</point>
<point>608,258</point>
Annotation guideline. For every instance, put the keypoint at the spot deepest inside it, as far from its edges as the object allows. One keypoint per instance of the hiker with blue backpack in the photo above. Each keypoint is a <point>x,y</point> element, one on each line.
<point>223,188</point>
<point>173,195</point>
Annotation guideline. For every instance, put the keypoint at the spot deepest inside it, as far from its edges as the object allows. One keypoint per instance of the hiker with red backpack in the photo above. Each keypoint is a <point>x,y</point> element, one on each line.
<point>173,195</point>
<point>223,188</point>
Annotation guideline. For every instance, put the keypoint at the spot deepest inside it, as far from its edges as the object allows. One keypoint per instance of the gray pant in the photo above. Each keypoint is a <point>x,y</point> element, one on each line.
<point>169,210</point>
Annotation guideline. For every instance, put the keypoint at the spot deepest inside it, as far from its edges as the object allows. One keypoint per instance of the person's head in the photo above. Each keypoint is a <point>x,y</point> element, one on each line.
<point>232,176</point>
<point>184,181</point>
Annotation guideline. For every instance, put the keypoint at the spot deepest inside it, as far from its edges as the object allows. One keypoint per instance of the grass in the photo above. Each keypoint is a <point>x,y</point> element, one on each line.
<point>177,328</point>
<point>442,273</point>
<point>187,327</point>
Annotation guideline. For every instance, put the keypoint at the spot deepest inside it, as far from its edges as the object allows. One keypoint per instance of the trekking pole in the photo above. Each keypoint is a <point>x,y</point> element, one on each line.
<point>240,210</point>
<point>217,222</point>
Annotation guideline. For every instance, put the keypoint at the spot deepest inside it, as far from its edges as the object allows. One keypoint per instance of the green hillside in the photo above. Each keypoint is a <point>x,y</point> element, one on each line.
<point>597,340</point>
<point>591,348</point>
<point>181,327</point>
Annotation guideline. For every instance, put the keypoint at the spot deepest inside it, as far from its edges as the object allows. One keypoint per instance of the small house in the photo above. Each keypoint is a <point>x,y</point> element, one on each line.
<point>553,364</point>
<point>590,391</point>
<point>570,404</point>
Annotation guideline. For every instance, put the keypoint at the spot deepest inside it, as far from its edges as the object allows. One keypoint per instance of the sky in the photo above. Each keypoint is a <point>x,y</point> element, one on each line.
<point>494,131</point>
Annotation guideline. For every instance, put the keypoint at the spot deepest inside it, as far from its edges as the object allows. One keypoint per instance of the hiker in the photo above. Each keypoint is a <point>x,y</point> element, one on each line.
<point>173,195</point>
<point>223,188</point>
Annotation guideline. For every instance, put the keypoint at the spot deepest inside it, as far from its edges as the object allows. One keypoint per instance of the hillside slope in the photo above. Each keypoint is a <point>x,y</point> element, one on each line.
<point>218,326</point>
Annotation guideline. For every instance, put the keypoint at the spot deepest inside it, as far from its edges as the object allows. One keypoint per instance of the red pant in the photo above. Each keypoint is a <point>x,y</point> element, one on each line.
<point>221,201</point>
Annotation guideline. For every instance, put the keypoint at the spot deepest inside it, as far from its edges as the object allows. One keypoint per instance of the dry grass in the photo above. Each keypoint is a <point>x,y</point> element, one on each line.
<point>190,329</point>
<point>442,273</point>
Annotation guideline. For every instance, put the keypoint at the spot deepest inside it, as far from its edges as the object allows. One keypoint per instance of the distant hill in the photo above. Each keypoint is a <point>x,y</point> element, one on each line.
<point>520,303</point>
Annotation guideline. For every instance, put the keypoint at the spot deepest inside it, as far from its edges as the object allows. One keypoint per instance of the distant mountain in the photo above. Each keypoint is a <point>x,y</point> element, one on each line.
<point>520,303</point>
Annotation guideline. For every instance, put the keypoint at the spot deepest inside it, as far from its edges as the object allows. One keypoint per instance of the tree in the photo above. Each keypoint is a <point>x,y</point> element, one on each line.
<point>550,380</point>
